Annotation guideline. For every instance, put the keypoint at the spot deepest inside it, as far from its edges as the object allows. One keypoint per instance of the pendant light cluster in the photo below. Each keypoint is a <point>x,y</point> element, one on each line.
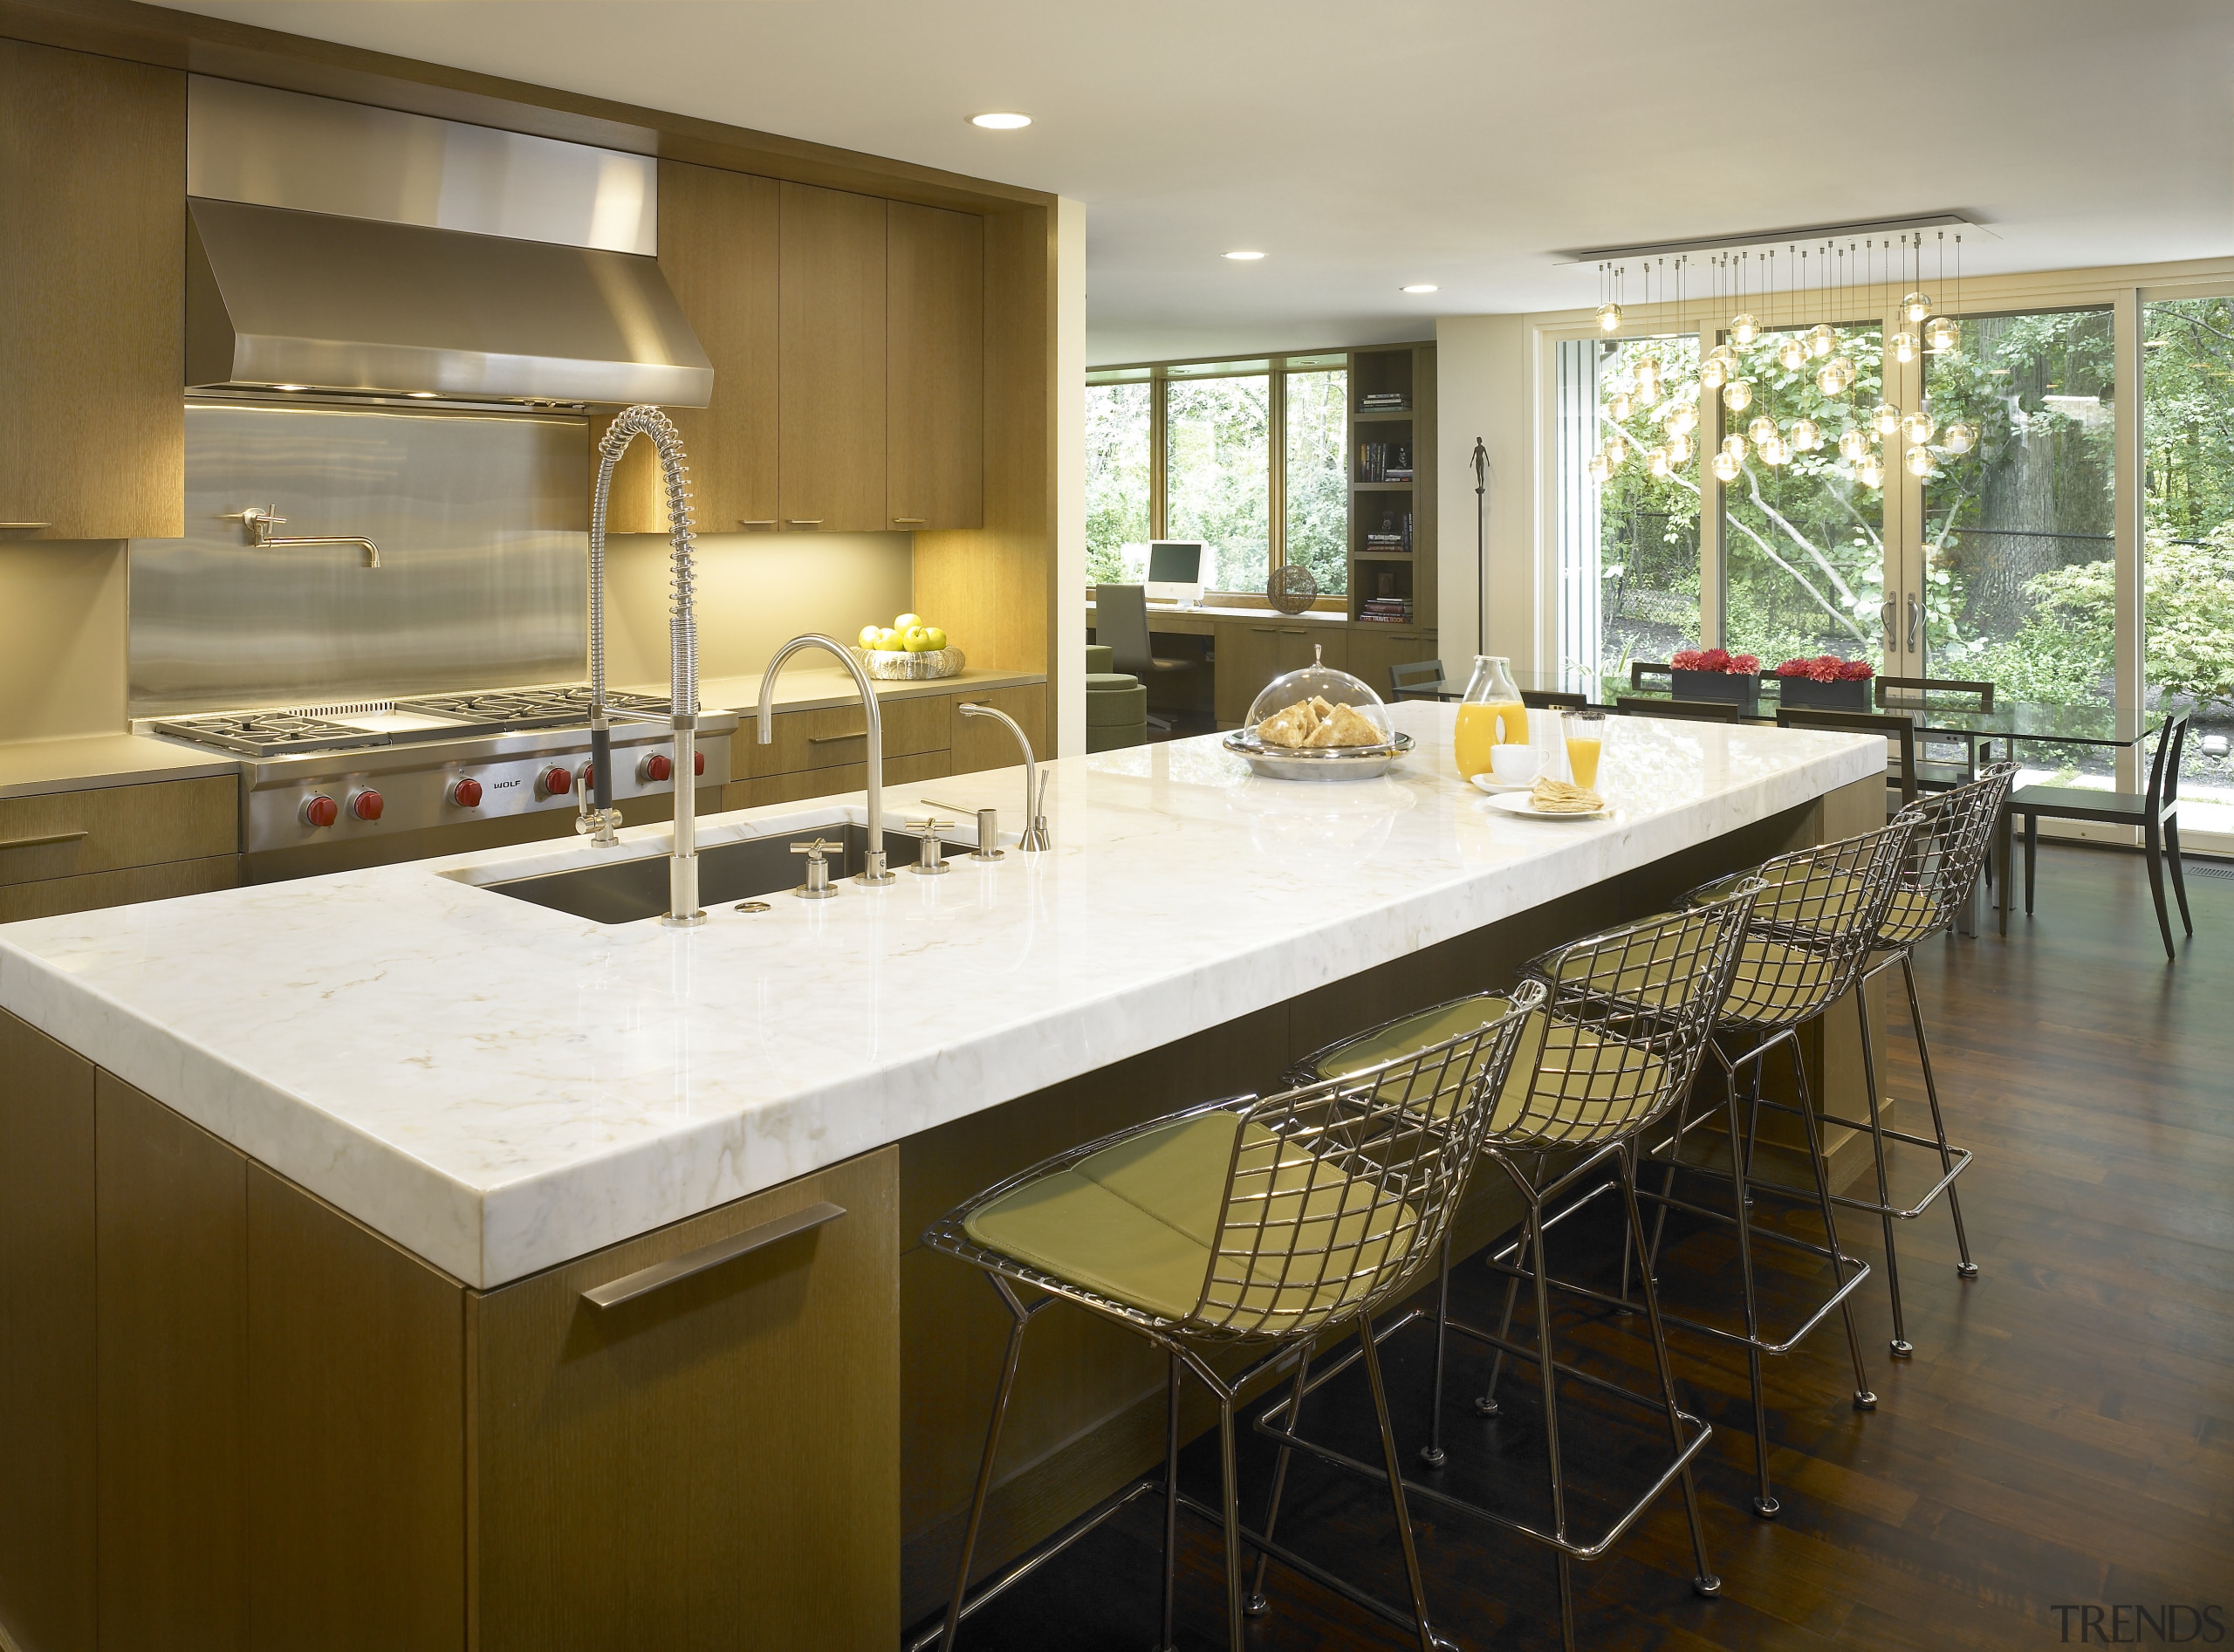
<point>1841,279</point>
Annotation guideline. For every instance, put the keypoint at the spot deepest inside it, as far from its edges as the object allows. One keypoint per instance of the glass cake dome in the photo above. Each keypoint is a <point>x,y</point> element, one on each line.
<point>1301,705</point>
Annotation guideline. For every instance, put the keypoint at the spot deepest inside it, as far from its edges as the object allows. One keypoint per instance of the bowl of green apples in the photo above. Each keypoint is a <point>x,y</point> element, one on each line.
<point>909,649</point>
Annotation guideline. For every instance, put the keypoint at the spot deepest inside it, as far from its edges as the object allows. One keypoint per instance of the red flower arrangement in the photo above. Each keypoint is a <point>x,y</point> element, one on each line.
<point>1827,667</point>
<point>1715,660</point>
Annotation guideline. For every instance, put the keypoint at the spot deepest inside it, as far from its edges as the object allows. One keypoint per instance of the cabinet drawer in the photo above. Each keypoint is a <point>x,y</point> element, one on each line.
<point>839,734</point>
<point>829,783</point>
<point>50,897</point>
<point>68,834</point>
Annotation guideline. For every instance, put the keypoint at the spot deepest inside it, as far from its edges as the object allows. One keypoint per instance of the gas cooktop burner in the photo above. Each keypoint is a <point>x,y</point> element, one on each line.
<point>495,708</point>
<point>265,734</point>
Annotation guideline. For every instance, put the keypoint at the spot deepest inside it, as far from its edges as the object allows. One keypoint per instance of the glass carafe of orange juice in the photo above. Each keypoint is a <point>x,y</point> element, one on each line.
<point>1489,714</point>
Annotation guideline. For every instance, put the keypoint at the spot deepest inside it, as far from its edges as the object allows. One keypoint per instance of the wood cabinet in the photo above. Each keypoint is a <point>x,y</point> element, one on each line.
<point>110,846</point>
<point>1251,653</point>
<point>981,743</point>
<point>935,419</point>
<point>829,378</point>
<point>1373,648</point>
<point>830,735</point>
<point>93,259</point>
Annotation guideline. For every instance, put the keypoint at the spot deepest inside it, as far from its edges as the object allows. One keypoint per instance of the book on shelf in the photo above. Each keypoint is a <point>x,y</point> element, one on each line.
<point>1384,462</point>
<point>1386,610</point>
<point>1383,401</point>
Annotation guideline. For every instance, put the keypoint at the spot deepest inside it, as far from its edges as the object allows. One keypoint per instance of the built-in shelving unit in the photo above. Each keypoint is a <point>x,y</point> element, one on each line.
<point>1392,485</point>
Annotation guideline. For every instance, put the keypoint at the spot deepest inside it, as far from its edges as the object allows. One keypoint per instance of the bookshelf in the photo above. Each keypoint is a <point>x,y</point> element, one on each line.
<point>1392,489</point>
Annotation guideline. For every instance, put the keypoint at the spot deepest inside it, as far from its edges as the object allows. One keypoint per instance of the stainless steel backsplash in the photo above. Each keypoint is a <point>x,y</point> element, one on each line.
<point>483,524</point>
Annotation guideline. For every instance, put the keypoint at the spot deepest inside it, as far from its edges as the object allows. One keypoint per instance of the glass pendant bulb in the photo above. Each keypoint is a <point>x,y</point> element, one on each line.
<point>1762,429</point>
<point>1726,467</point>
<point>1959,437</point>
<point>1600,471</point>
<point>1609,318</point>
<point>1713,374</point>
<point>1853,445</point>
<point>1656,462</point>
<point>1647,380</point>
<point>1679,449</point>
<point>1807,435</point>
<point>1871,472</point>
<point>1611,452</point>
<point>1738,394</point>
<point>1744,327</point>
<point>1792,352</point>
<point>1920,462</point>
<point>1831,378</point>
<point>1619,408</point>
<point>1917,305</point>
<point>1681,420</point>
<point>1734,445</point>
<point>1917,429</point>
<point>1941,335</point>
<point>1776,451</point>
<point>1821,340</point>
<point>1885,419</point>
<point>1903,347</point>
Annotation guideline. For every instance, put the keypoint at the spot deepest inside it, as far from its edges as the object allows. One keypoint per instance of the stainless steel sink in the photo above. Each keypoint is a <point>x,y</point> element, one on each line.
<point>625,891</point>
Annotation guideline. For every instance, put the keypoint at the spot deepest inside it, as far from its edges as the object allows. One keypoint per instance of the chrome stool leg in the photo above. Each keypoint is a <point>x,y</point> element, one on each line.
<point>1164,1642</point>
<point>1864,1398</point>
<point>1765,1501</point>
<point>1006,1387</point>
<point>1965,1269</point>
<point>1394,1466</point>
<point>1548,1369</point>
<point>1485,1404</point>
<point>1256,1604</point>
<point>1431,1453</point>
<point>1901,1346</point>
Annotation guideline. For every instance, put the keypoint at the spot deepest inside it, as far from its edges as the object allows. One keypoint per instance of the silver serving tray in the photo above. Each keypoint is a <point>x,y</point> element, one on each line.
<point>1340,763</point>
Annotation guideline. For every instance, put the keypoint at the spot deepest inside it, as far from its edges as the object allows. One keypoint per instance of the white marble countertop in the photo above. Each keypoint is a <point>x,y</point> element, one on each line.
<point>76,763</point>
<point>500,1087</point>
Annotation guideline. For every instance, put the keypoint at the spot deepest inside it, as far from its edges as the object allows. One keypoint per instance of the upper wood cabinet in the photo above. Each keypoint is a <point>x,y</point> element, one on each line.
<point>93,259</point>
<point>935,418</point>
<point>831,380</point>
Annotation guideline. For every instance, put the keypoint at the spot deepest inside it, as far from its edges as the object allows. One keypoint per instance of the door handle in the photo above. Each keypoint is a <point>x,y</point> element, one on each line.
<point>1916,618</point>
<point>804,522</point>
<point>1887,612</point>
<point>45,840</point>
<point>832,739</point>
<point>917,521</point>
<point>660,1275</point>
<point>755,522</point>
<point>26,526</point>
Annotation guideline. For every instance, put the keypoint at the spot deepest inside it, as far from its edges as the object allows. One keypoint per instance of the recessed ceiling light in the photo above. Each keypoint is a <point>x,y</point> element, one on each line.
<point>1244,257</point>
<point>1001,121</point>
<point>1423,286</point>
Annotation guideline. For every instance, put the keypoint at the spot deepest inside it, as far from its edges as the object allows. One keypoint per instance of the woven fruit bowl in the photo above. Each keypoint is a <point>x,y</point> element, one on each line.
<point>897,665</point>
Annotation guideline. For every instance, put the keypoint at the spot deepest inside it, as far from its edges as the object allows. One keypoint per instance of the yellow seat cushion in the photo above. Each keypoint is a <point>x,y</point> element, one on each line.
<point>1775,984</point>
<point>1141,1222</point>
<point>1912,915</point>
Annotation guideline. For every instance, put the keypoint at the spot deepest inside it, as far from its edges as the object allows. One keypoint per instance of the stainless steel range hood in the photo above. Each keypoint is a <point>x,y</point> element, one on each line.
<point>284,299</point>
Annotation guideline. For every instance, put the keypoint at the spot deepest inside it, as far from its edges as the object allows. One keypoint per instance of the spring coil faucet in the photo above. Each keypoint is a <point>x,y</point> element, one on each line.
<point>682,653</point>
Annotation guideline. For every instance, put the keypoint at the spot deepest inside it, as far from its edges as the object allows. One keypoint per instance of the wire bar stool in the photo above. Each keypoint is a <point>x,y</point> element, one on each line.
<point>1952,833</point>
<point>1627,1015</point>
<point>1813,926</point>
<point>1258,1222</point>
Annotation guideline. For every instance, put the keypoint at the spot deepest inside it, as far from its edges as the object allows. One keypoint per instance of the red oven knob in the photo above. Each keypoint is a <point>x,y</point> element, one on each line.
<point>658,766</point>
<point>320,811</point>
<point>697,762</point>
<point>558,783</point>
<point>367,805</point>
<point>466,794</point>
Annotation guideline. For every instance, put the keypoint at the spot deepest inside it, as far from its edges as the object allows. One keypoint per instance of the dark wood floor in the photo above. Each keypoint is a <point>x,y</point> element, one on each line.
<point>2064,1436</point>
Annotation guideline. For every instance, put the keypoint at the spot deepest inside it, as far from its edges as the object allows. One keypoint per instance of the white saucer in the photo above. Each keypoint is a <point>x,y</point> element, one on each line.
<point>1493,787</point>
<point>1521,806</point>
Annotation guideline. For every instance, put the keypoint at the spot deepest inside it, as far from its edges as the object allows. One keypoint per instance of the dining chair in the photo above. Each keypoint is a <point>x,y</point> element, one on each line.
<point>1900,732</point>
<point>1640,669</point>
<point>1630,705</point>
<point>1420,680</point>
<point>1935,773</point>
<point>2156,811</point>
<point>1553,700</point>
<point>1120,620</point>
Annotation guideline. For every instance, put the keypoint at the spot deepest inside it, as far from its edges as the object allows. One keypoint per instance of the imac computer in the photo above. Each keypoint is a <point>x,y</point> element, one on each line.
<point>1175,571</point>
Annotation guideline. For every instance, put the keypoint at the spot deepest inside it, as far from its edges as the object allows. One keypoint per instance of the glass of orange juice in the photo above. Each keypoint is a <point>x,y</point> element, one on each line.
<point>1585,733</point>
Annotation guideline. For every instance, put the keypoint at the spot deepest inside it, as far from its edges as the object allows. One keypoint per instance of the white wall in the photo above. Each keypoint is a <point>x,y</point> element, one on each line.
<point>1068,671</point>
<point>1486,386</point>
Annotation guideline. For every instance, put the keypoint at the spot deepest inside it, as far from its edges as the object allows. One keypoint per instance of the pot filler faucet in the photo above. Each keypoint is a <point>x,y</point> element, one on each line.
<point>682,658</point>
<point>872,867</point>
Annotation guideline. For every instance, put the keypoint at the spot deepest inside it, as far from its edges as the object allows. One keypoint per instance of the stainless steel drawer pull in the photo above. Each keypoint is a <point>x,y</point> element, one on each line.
<point>911,519</point>
<point>805,522</point>
<point>42,841</point>
<point>662,1274</point>
<point>832,739</point>
<point>26,525</point>
<point>755,522</point>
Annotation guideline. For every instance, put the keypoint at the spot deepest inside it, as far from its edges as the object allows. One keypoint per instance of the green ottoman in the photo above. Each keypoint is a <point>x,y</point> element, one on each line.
<point>1116,712</point>
<point>1100,657</point>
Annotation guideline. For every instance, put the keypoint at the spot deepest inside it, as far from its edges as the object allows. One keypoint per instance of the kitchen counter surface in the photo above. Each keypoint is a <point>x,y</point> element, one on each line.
<point>29,768</point>
<point>499,1088</point>
<point>807,686</point>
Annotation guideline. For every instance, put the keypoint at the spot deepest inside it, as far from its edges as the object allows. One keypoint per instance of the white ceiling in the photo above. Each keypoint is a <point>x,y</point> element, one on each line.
<point>1365,145</point>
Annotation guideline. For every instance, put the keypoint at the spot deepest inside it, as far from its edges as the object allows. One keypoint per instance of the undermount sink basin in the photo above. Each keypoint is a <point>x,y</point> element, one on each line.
<point>625,891</point>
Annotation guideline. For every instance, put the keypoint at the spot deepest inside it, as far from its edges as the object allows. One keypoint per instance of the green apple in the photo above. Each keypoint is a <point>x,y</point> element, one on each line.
<point>917,639</point>
<point>888,639</point>
<point>869,635</point>
<point>938,637</point>
<point>906,619</point>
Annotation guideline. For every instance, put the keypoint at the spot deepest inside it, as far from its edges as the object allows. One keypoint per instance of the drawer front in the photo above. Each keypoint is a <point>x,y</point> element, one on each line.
<point>51,897</point>
<point>68,834</point>
<point>837,734</point>
<point>829,783</point>
<point>981,743</point>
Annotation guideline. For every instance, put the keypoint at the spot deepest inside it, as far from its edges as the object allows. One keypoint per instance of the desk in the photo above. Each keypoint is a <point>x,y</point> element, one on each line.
<point>1249,647</point>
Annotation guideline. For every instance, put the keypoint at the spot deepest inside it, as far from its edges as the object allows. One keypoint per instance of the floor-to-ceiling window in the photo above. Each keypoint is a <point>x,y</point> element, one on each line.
<point>1119,420</point>
<point>1217,474</point>
<point>1315,486</point>
<point>2188,540</point>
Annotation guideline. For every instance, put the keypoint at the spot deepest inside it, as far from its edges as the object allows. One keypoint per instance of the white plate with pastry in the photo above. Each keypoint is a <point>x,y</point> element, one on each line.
<point>1549,800</point>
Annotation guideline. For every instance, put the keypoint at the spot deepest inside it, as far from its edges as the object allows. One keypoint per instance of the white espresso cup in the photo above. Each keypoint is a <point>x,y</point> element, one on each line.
<point>1515,765</point>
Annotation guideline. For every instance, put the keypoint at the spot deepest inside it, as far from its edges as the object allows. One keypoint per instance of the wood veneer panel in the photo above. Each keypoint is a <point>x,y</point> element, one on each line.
<point>46,1342</point>
<point>831,382</point>
<point>829,735</point>
<point>981,743</point>
<point>126,826</point>
<point>355,1476</point>
<point>172,1280</point>
<point>50,897</point>
<point>836,782</point>
<point>93,259</point>
<point>935,449</point>
<point>713,1465</point>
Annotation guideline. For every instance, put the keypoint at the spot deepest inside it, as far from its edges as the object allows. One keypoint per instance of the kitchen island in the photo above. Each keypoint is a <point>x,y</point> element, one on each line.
<point>320,1172</point>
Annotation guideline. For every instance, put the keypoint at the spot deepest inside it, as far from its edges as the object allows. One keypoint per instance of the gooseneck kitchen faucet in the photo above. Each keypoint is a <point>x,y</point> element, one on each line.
<point>682,656</point>
<point>872,868</point>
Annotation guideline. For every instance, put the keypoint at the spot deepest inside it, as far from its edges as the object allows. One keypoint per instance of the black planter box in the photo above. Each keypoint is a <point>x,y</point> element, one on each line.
<point>1741,689</point>
<point>1844,695</point>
